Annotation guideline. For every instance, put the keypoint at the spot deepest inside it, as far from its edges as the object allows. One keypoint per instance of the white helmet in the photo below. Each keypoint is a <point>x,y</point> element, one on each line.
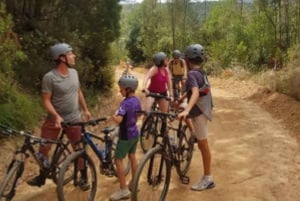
<point>60,49</point>
<point>128,81</point>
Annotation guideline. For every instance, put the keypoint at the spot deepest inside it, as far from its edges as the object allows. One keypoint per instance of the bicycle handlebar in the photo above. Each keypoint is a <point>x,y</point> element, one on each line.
<point>156,95</point>
<point>92,122</point>
<point>158,113</point>
<point>8,131</point>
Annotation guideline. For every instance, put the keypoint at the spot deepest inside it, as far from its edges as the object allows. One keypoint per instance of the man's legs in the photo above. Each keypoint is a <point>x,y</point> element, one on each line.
<point>48,131</point>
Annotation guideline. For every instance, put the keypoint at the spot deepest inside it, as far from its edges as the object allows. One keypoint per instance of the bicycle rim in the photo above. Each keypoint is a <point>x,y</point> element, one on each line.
<point>58,160</point>
<point>75,189</point>
<point>185,151</point>
<point>148,134</point>
<point>152,178</point>
<point>8,184</point>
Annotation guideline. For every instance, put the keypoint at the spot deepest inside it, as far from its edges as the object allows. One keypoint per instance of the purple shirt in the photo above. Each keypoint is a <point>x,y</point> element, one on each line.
<point>127,109</point>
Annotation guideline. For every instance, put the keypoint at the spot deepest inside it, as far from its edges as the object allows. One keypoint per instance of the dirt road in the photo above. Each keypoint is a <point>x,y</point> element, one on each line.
<point>255,157</point>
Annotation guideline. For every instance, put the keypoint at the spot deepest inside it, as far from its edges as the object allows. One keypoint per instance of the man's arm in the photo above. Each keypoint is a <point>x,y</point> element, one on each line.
<point>83,105</point>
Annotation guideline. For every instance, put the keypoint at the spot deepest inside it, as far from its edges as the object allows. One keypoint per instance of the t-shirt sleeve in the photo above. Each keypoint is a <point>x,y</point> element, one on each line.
<point>192,80</point>
<point>122,110</point>
<point>47,84</point>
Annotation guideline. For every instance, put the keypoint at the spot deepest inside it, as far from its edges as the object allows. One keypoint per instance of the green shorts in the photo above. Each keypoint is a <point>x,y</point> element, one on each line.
<point>125,147</point>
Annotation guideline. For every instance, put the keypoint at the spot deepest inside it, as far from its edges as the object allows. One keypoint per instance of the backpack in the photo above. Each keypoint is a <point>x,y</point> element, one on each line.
<point>177,68</point>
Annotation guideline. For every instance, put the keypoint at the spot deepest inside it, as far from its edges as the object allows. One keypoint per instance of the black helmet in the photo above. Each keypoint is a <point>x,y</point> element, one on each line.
<point>128,81</point>
<point>176,54</point>
<point>159,58</point>
<point>195,52</point>
<point>60,49</point>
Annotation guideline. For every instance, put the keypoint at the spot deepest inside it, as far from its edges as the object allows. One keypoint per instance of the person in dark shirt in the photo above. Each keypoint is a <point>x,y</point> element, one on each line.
<point>199,109</point>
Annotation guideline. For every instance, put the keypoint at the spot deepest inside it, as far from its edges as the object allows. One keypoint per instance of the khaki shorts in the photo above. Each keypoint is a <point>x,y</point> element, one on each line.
<point>200,126</point>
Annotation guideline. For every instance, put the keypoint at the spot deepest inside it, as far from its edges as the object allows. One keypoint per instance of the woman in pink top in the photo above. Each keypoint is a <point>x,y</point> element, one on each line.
<point>158,80</point>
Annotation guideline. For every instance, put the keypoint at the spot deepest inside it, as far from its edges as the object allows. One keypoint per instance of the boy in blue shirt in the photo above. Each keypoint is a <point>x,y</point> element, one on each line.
<point>126,117</point>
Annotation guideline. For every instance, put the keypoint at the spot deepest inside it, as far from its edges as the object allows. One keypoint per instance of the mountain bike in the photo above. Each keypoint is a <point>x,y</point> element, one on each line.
<point>152,125</point>
<point>17,164</point>
<point>152,178</point>
<point>82,165</point>
<point>177,89</point>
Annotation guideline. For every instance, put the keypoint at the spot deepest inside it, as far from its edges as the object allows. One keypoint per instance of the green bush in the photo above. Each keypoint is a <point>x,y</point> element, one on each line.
<point>18,109</point>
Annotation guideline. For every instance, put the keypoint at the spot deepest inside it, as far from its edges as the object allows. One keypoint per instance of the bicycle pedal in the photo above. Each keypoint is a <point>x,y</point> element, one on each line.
<point>185,180</point>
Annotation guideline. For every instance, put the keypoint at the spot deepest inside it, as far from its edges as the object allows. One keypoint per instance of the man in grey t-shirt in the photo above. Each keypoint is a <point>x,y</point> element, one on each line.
<point>63,99</point>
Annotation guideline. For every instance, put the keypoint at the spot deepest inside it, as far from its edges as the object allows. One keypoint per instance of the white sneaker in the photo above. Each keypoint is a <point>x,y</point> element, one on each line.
<point>203,185</point>
<point>120,195</point>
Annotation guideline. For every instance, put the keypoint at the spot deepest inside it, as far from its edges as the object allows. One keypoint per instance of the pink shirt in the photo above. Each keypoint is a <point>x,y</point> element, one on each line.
<point>159,81</point>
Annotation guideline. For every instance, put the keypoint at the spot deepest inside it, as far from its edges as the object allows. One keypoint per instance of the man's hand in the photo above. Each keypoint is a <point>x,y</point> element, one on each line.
<point>183,114</point>
<point>58,121</point>
<point>87,115</point>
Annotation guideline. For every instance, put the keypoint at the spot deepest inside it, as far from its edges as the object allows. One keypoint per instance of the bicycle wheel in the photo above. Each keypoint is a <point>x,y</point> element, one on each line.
<point>8,184</point>
<point>152,178</point>
<point>148,133</point>
<point>184,151</point>
<point>59,157</point>
<point>126,161</point>
<point>83,185</point>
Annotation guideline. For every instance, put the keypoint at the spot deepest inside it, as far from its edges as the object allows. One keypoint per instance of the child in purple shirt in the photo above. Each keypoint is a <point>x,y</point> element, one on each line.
<point>126,117</point>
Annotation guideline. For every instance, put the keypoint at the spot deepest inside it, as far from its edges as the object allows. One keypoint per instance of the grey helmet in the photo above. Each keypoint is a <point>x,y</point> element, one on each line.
<point>128,81</point>
<point>195,52</point>
<point>176,54</point>
<point>60,49</point>
<point>159,58</point>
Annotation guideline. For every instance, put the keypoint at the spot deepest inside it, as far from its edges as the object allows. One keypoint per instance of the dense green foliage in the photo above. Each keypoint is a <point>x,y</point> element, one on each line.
<point>16,108</point>
<point>255,34</point>
<point>29,28</point>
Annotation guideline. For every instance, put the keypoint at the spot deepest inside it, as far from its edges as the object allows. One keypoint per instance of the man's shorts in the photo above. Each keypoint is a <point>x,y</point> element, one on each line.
<point>49,131</point>
<point>125,147</point>
<point>200,126</point>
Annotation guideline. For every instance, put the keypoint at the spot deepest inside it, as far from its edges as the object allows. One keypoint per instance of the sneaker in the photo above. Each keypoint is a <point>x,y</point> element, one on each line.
<point>37,181</point>
<point>203,185</point>
<point>83,185</point>
<point>120,195</point>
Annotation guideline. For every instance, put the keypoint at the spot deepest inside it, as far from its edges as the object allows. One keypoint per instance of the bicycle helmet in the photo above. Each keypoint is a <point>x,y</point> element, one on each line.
<point>176,54</point>
<point>195,52</point>
<point>159,58</point>
<point>60,49</point>
<point>128,81</point>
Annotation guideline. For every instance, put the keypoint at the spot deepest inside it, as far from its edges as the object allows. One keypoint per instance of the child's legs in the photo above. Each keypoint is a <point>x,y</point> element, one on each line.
<point>123,148</point>
<point>201,132</point>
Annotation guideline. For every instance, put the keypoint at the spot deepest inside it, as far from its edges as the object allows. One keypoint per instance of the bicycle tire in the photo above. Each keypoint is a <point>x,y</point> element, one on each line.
<point>148,133</point>
<point>148,186</point>
<point>8,184</point>
<point>59,157</point>
<point>184,151</point>
<point>71,191</point>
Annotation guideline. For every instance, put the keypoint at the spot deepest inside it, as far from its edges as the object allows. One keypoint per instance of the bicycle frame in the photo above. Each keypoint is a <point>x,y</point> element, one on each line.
<point>169,150</point>
<point>22,153</point>
<point>106,160</point>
